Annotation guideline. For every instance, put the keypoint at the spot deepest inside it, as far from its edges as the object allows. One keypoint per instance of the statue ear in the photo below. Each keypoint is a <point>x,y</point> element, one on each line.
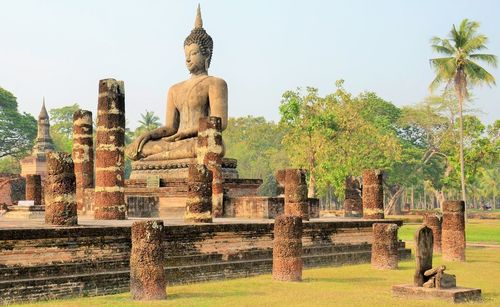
<point>206,64</point>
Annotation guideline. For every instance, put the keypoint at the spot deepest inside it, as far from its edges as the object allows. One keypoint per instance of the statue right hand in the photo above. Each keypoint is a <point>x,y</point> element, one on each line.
<point>142,140</point>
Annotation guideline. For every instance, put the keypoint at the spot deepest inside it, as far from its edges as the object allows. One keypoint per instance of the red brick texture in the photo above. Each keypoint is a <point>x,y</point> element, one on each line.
<point>287,248</point>
<point>147,275</point>
<point>453,230</point>
<point>385,246</point>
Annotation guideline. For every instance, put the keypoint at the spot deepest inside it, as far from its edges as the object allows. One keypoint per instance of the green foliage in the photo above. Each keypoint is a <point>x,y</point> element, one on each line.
<point>17,130</point>
<point>148,122</point>
<point>61,127</point>
<point>256,144</point>
<point>10,165</point>
<point>338,135</point>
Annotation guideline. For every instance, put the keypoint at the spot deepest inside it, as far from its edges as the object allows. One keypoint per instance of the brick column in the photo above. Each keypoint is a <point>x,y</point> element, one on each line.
<point>287,248</point>
<point>83,154</point>
<point>60,204</point>
<point>433,222</point>
<point>147,275</point>
<point>453,230</point>
<point>385,246</point>
<point>34,189</point>
<point>210,151</point>
<point>373,194</point>
<point>353,206</point>
<point>109,203</point>
<point>296,202</point>
<point>199,200</point>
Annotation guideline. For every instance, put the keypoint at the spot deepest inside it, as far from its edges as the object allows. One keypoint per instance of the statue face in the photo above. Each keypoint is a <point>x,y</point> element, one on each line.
<point>195,60</point>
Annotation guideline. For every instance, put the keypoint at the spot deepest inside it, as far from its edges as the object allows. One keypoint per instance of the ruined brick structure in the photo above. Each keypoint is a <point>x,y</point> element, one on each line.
<point>147,275</point>
<point>434,222</point>
<point>385,246</point>
<point>210,151</point>
<point>83,154</point>
<point>34,189</point>
<point>353,204</point>
<point>60,203</point>
<point>12,188</point>
<point>296,202</point>
<point>373,194</point>
<point>199,195</point>
<point>109,157</point>
<point>453,230</point>
<point>287,248</point>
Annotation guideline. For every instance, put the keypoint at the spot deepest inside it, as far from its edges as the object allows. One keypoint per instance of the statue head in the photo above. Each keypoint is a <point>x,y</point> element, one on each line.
<point>198,46</point>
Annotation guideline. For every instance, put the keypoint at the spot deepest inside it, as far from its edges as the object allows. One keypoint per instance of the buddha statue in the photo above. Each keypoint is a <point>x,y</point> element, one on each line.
<point>187,101</point>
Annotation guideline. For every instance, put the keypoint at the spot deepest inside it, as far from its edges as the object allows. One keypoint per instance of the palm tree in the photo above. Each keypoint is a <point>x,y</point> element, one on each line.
<point>149,121</point>
<point>459,69</point>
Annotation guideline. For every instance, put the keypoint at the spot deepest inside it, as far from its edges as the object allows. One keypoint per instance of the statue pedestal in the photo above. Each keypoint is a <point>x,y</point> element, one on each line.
<point>176,169</point>
<point>452,295</point>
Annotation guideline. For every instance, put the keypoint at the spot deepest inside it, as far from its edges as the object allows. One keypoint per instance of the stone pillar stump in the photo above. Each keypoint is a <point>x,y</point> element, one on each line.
<point>453,230</point>
<point>434,222</point>
<point>147,275</point>
<point>83,154</point>
<point>34,189</point>
<point>373,194</point>
<point>60,202</point>
<point>109,200</point>
<point>210,151</point>
<point>199,196</point>
<point>296,202</point>
<point>287,248</point>
<point>353,206</point>
<point>385,246</point>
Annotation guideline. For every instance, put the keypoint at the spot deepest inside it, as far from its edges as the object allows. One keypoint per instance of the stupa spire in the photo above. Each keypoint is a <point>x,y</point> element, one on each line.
<point>43,112</point>
<point>198,22</point>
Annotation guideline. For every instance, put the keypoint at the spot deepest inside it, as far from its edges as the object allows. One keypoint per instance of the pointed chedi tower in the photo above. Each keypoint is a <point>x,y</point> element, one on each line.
<point>36,162</point>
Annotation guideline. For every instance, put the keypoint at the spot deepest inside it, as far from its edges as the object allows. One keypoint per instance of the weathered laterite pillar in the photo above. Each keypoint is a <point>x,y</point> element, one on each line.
<point>385,246</point>
<point>353,206</point>
<point>434,222</point>
<point>109,203</point>
<point>453,230</point>
<point>373,194</point>
<point>210,151</point>
<point>60,203</point>
<point>34,189</point>
<point>287,248</point>
<point>199,197</point>
<point>296,202</point>
<point>83,154</point>
<point>147,275</point>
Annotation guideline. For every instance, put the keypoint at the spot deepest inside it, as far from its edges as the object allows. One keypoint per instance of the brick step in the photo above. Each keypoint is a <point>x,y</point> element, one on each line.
<point>61,269</point>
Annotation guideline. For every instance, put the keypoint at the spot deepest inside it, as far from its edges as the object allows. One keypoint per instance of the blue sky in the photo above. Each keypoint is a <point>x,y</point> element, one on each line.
<point>60,49</point>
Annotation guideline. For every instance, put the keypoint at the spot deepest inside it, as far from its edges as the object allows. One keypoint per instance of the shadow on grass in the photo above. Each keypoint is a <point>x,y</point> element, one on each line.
<point>211,294</point>
<point>343,280</point>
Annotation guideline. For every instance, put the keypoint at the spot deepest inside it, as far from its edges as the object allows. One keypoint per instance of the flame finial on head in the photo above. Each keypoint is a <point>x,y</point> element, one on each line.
<point>198,22</point>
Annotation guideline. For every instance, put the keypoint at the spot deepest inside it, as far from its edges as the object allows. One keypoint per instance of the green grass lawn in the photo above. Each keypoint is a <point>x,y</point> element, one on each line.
<point>355,285</point>
<point>483,231</point>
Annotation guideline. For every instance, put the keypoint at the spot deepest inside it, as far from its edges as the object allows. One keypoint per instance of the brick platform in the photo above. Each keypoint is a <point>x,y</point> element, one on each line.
<point>42,262</point>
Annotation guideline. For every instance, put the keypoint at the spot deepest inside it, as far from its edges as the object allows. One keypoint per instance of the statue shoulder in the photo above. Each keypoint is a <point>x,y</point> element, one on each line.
<point>218,82</point>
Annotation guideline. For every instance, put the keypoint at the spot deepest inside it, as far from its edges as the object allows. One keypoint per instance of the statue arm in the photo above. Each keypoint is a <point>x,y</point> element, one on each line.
<point>218,101</point>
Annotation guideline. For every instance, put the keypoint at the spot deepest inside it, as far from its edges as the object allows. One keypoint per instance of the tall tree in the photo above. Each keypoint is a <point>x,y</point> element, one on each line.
<point>61,126</point>
<point>149,121</point>
<point>459,68</point>
<point>17,130</point>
